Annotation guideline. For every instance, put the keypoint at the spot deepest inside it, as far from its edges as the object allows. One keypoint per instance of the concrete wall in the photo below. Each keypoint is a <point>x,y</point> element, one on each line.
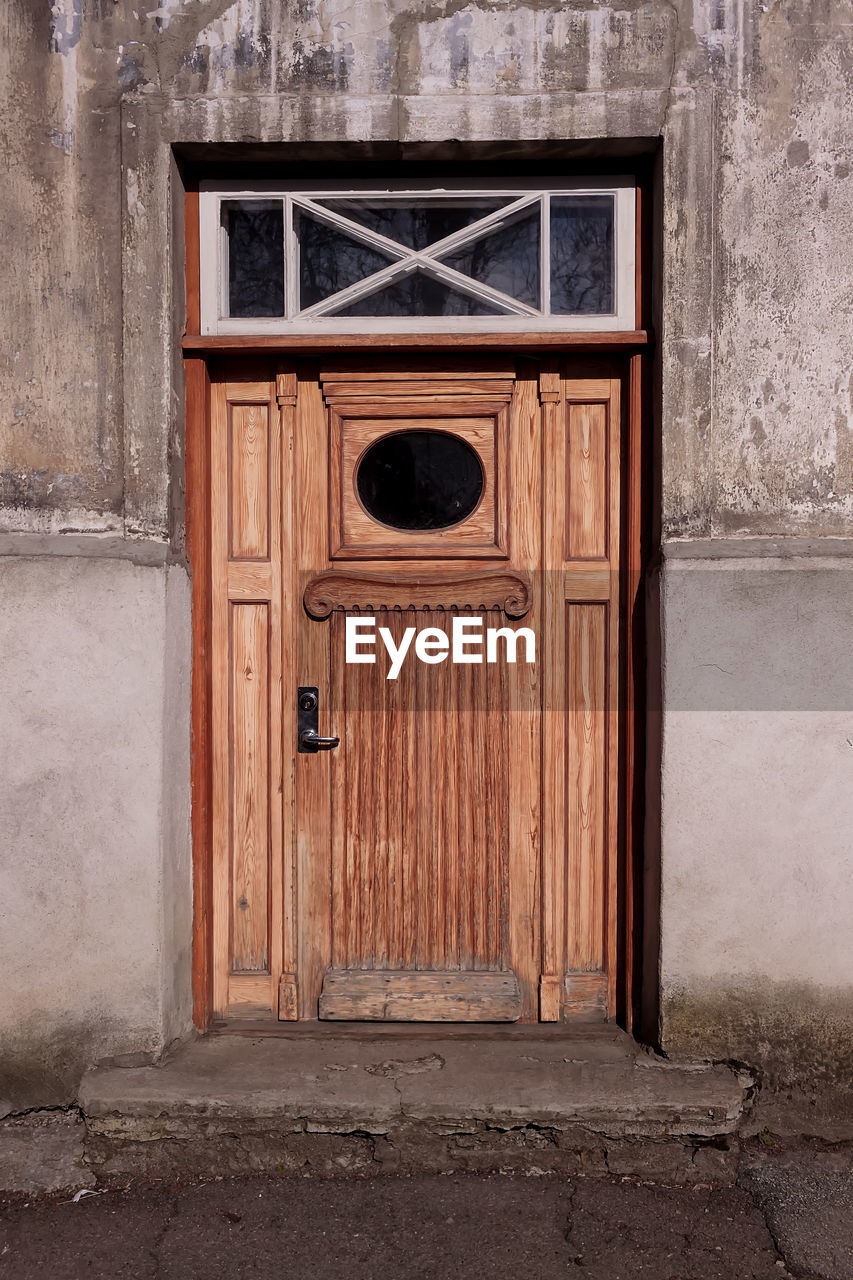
<point>95,882</point>
<point>757,806</point>
<point>752,233</point>
<point>750,109</point>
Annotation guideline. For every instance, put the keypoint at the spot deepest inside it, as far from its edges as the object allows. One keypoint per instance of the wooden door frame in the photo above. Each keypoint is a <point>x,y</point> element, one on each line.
<point>635,348</point>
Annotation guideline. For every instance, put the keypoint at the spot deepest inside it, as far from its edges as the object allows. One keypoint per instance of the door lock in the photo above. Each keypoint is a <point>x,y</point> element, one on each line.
<point>307,722</point>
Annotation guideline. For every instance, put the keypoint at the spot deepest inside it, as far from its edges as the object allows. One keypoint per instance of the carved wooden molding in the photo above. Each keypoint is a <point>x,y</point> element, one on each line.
<point>330,591</point>
<point>363,390</point>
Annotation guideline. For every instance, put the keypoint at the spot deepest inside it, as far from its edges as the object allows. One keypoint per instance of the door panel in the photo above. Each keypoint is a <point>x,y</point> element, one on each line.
<point>246,603</point>
<point>454,858</point>
<point>423,884</point>
<point>424,842</point>
<point>581,601</point>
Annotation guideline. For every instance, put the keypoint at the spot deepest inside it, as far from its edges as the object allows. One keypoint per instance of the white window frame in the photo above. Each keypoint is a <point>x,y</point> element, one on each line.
<point>519,317</point>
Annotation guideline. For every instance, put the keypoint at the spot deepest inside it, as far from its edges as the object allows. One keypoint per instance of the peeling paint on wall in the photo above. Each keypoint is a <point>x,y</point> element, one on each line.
<point>66,25</point>
<point>777,189</point>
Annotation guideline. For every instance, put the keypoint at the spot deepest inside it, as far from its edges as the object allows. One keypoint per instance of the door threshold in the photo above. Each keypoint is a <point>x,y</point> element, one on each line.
<point>578,1026</point>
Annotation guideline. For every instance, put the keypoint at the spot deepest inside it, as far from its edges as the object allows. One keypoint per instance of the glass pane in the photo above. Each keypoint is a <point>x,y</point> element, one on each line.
<point>416,223</point>
<point>419,295</point>
<point>582,255</point>
<point>508,259</point>
<point>330,261</point>
<point>419,480</point>
<point>255,231</point>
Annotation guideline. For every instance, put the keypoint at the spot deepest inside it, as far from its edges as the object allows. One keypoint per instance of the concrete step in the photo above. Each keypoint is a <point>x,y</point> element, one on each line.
<point>357,1100</point>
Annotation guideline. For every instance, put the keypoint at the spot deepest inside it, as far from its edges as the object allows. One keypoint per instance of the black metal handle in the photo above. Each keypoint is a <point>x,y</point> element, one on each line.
<point>307,721</point>
<point>311,741</point>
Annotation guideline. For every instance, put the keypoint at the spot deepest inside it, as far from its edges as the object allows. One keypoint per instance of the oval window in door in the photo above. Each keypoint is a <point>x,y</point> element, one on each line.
<point>420,480</point>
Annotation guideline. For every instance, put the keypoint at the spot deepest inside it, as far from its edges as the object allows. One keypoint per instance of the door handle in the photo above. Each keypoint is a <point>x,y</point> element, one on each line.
<point>307,721</point>
<point>311,741</point>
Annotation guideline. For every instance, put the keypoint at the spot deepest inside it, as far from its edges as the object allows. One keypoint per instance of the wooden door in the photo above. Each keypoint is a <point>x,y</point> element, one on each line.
<point>454,856</point>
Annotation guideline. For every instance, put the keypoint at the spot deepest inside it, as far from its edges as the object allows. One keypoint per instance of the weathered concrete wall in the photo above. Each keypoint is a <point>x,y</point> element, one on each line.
<point>757,809</point>
<point>751,106</point>
<point>768,213</point>
<point>94,808</point>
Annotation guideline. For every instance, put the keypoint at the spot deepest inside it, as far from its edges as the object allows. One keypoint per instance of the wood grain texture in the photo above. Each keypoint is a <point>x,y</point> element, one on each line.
<point>587,503</point>
<point>312,772</point>
<point>551,1002</point>
<point>436,368</point>
<point>614,669</point>
<point>637,519</point>
<point>581,744</point>
<point>220,699</point>
<point>554,446</point>
<point>372,343</point>
<point>250,834</point>
<point>249,481</point>
<point>353,428</point>
<point>465,808</point>
<point>287,396</point>
<point>349,994</point>
<point>585,994</point>
<point>328,592</point>
<point>246,660</point>
<point>198,550</point>
<point>524,696</point>
<point>586,813</point>
<point>419,867</point>
<point>402,389</point>
<point>248,995</point>
<point>288,1001</point>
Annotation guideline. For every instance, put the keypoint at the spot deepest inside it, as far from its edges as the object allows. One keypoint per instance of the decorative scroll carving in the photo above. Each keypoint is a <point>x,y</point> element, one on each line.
<point>329,591</point>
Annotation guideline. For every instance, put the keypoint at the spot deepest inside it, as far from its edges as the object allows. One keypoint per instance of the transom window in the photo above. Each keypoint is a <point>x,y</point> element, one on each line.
<point>334,259</point>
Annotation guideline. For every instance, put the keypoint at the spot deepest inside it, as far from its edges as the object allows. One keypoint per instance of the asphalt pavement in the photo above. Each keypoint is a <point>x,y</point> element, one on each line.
<point>475,1227</point>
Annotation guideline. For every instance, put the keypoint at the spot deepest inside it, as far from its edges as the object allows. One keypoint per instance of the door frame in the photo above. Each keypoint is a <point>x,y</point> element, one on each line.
<point>635,349</point>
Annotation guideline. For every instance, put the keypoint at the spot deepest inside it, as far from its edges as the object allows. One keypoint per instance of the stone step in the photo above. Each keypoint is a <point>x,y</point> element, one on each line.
<point>353,1100</point>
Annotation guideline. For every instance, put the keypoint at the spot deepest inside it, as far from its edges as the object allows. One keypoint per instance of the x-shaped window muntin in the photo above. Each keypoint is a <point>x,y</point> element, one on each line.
<point>406,261</point>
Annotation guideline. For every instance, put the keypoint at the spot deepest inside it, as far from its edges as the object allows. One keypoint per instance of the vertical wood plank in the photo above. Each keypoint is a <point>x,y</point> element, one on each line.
<point>552,657</point>
<point>220,699</point>
<point>363,827</point>
<point>491,809</point>
<point>524,699</point>
<point>277,851</point>
<point>283,729</point>
<point>249,481</point>
<point>380,719</point>
<point>588,501</point>
<point>410,840</point>
<point>198,547</point>
<point>448,681</point>
<point>634,693</point>
<point>312,771</point>
<point>392,828</point>
<point>430,782</point>
<point>341,675</point>
<point>474,853</point>
<point>250,700</point>
<point>586,636</point>
<point>613,699</point>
